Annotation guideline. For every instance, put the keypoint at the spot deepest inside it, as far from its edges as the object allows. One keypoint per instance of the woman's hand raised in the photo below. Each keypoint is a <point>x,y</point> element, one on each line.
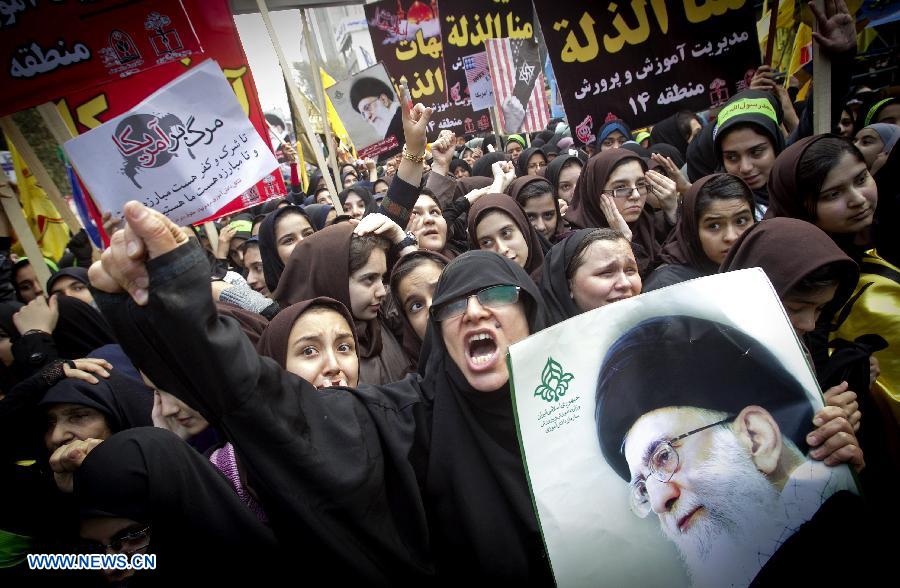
<point>122,267</point>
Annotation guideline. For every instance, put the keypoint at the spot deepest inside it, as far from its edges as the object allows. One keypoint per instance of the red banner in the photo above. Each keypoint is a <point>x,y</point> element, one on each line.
<point>210,26</point>
<point>50,46</point>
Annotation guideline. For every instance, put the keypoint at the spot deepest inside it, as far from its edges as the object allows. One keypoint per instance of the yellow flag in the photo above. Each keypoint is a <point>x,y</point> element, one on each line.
<point>802,53</point>
<point>50,230</point>
<point>301,166</point>
<point>337,127</point>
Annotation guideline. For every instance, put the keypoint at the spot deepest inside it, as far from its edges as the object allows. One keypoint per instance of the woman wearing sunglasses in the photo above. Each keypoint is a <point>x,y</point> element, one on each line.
<point>420,479</point>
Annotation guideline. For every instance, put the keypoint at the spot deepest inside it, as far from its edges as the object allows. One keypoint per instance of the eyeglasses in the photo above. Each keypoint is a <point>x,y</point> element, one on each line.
<point>642,189</point>
<point>663,464</point>
<point>490,297</point>
<point>537,165</point>
<point>369,106</point>
<point>130,541</point>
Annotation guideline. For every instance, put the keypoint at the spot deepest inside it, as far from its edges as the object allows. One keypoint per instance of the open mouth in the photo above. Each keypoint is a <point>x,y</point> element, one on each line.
<point>481,351</point>
<point>687,521</point>
<point>333,383</point>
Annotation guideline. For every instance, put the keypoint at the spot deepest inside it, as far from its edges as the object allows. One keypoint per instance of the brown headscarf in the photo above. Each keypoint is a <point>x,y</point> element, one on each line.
<point>785,193</point>
<point>274,340</point>
<point>518,184</point>
<point>585,211</point>
<point>504,203</point>
<point>320,266</point>
<point>683,246</point>
<point>252,323</point>
<point>788,250</point>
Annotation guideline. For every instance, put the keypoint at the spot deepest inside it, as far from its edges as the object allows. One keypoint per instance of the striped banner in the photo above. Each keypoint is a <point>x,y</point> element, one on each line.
<point>511,71</point>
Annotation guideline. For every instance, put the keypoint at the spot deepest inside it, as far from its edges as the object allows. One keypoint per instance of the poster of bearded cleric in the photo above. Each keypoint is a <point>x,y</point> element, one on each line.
<point>665,437</point>
<point>369,105</point>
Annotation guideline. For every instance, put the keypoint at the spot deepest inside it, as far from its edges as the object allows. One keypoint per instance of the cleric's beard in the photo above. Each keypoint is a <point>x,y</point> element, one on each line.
<point>741,519</point>
<point>385,115</point>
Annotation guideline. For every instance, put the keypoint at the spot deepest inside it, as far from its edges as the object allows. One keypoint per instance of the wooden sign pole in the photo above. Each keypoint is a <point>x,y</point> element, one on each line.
<point>294,96</point>
<point>15,136</point>
<point>821,86</point>
<point>305,19</point>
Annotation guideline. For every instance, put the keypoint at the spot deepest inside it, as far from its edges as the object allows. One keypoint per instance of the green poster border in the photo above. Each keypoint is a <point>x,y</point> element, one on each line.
<point>537,514</point>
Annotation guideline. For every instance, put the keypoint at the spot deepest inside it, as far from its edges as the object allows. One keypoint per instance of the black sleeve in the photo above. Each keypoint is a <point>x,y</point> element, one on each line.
<point>668,275</point>
<point>7,290</point>
<point>399,201</point>
<point>333,468</point>
<point>457,216</point>
<point>17,408</point>
<point>32,352</point>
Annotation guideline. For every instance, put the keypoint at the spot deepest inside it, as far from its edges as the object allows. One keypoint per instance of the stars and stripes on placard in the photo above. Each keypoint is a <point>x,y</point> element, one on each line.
<point>507,65</point>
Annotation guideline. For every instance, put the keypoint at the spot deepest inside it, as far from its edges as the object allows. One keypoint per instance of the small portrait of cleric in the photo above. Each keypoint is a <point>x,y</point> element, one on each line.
<point>377,102</point>
<point>708,429</point>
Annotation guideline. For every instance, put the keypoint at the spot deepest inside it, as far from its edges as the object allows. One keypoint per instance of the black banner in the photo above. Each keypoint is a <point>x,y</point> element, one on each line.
<point>465,24</point>
<point>644,60</point>
<point>406,37</point>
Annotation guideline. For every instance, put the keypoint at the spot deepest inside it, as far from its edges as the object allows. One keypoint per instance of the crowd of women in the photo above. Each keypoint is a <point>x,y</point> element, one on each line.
<point>325,391</point>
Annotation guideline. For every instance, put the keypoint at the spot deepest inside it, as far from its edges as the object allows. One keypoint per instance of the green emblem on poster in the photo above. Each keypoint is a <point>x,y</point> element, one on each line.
<point>554,381</point>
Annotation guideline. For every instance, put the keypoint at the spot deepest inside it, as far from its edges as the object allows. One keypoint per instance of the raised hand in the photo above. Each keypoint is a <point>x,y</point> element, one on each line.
<point>37,315</point>
<point>681,182</point>
<point>613,216</point>
<point>442,150</point>
<point>415,122</point>
<point>379,224</point>
<point>225,236</point>
<point>504,173</point>
<point>122,267</point>
<point>666,192</point>
<point>513,114</point>
<point>835,30</point>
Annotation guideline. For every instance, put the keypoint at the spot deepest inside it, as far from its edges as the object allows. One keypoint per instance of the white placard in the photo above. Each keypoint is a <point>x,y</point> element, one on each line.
<point>593,536</point>
<point>187,150</point>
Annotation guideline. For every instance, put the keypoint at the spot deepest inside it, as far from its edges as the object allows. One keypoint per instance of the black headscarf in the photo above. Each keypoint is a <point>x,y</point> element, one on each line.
<point>555,167</point>
<point>759,109</point>
<point>198,523</point>
<point>507,205</point>
<point>669,151</point>
<point>318,214</point>
<point>887,238</point>
<point>701,155</point>
<point>364,195</point>
<point>78,273</point>
<point>524,156</point>
<point>80,329</point>
<point>666,131</point>
<point>554,284</point>
<point>7,309</point>
<point>268,245</point>
<point>479,507</point>
<point>125,402</point>
<point>483,165</point>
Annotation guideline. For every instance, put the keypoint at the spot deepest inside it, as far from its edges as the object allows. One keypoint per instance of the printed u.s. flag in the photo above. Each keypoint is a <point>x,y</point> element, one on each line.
<point>518,82</point>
